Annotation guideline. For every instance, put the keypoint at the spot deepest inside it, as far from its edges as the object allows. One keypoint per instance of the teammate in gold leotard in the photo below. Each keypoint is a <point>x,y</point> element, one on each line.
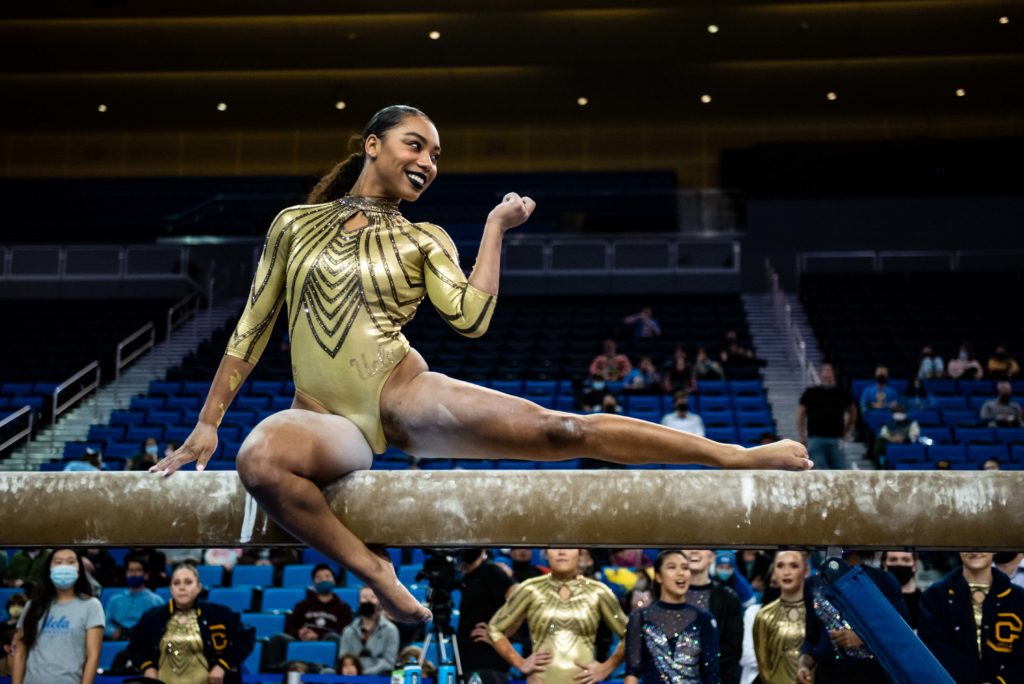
<point>352,271</point>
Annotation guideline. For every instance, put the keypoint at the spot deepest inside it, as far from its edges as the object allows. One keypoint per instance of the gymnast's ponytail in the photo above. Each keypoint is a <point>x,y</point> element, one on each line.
<point>339,180</point>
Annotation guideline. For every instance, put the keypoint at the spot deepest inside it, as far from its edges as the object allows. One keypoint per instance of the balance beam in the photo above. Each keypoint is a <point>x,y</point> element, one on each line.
<point>608,508</point>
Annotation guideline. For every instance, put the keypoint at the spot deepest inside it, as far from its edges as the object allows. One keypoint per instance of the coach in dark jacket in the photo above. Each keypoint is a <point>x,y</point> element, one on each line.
<point>227,642</point>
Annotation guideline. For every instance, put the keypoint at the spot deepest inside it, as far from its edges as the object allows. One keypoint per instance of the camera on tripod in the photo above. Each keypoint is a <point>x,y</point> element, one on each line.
<point>442,572</point>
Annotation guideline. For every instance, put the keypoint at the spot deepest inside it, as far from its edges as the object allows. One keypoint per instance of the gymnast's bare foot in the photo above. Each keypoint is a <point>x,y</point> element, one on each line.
<point>395,599</point>
<point>782,455</point>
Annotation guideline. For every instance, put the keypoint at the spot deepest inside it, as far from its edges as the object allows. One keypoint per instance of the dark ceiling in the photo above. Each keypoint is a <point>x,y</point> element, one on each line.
<point>161,64</point>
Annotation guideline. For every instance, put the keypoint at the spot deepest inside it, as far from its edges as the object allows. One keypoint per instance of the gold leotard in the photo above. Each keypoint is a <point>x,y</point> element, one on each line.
<point>348,294</point>
<point>778,635</point>
<point>566,628</point>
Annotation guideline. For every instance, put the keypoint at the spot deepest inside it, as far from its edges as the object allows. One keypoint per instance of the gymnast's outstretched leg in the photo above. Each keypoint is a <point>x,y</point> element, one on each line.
<point>285,461</point>
<point>429,414</point>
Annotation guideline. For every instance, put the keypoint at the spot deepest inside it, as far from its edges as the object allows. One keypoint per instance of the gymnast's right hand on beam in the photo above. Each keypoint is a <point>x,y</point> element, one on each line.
<point>199,447</point>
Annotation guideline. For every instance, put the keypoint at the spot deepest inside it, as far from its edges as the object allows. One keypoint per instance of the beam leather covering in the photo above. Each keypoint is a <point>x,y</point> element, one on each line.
<point>609,508</point>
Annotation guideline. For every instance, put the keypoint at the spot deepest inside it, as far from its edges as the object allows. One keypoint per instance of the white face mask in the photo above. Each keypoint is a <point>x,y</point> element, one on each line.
<point>899,417</point>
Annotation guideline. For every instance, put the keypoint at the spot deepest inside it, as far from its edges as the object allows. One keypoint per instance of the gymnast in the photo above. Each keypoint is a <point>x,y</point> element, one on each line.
<point>350,271</point>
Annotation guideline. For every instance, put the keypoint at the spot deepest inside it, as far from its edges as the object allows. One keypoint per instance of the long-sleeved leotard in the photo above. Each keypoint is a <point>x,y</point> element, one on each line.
<point>348,295</point>
<point>565,627</point>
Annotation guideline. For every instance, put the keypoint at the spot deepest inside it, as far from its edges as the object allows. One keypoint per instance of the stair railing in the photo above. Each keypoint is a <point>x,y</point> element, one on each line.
<point>796,345</point>
<point>24,413</point>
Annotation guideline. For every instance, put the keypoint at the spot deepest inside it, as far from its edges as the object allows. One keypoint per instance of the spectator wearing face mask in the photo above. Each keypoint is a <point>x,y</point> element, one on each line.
<point>681,419</point>
<point>92,461</point>
<point>15,606</point>
<point>880,395</point>
<point>965,365</point>
<point>1002,366</point>
<point>899,429</point>
<point>1002,411</point>
<point>126,608</point>
<point>725,572</point>
<point>320,616</point>
<point>903,566</point>
<point>917,397</point>
<point>371,636</point>
<point>148,455</point>
<point>931,364</point>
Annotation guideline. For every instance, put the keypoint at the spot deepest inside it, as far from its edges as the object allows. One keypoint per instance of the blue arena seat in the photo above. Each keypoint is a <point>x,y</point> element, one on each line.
<point>979,453</point>
<point>299,575</point>
<point>320,652</point>
<point>953,453</point>
<point>182,403</point>
<point>1010,435</point>
<point>238,599</point>
<point>741,388</point>
<point>266,387</point>
<point>251,665</point>
<point>407,574</point>
<point>955,402</point>
<point>721,434</point>
<point>350,595</point>
<point>127,418</point>
<point>109,651</point>
<point>974,387</point>
<point>941,386</point>
<point>146,403</point>
<point>211,575</point>
<point>643,402</point>
<point>975,435</point>
<point>140,433</point>
<point>967,418</point>
<point>282,599</point>
<point>252,576</point>
<point>104,433</point>
<point>926,417</point>
<point>905,453</point>
<point>266,624</point>
<point>940,434</point>
<point>712,387</point>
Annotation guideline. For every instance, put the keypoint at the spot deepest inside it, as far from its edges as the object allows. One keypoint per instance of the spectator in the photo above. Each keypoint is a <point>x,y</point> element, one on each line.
<point>737,357</point>
<point>563,611</point>
<point>779,624</point>
<point>754,565</point>
<point>92,461</point>
<point>880,395</point>
<point>832,651</point>
<point>643,378</point>
<point>126,608</point>
<point>645,326</point>
<point>681,419</point>
<point>678,374</point>
<point>725,572</point>
<point>104,567</point>
<point>826,414</point>
<point>991,464</point>
<point>173,643</point>
<point>6,650</point>
<point>372,636</point>
<point>917,397</point>
<point>15,606</point>
<point>706,368</point>
<point>971,621</point>
<point>485,588</point>
<point>899,429</point>
<point>712,596</point>
<point>931,365</point>
<point>903,566</point>
<point>670,640</point>
<point>27,567</point>
<point>522,565</point>
<point>610,365</point>
<point>61,631</point>
<point>1002,366</point>
<point>609,404</point>
<point>1002,411</point>
<point>320,616</point>
<point>349,665</point>
<point>155,563</point>
<point>966,365</point>
<point>148,455</point>
<point>1011,564</point>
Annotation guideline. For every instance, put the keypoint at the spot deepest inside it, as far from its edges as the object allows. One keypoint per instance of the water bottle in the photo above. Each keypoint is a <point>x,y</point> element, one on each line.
<point>446,674</point>
<point>474,678</point>
<point>412,674</point>
<point>397,676</point>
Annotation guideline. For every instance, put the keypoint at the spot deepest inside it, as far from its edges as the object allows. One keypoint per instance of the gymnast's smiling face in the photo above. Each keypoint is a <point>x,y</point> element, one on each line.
<point>403,162</point>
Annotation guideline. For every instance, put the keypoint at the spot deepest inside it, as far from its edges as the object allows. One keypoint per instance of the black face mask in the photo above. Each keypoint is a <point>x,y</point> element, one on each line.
<point>521,565</point>
<point>902,573</point>
<point>367,609</point>
<point>682,407</point>
<point>882,379</point>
